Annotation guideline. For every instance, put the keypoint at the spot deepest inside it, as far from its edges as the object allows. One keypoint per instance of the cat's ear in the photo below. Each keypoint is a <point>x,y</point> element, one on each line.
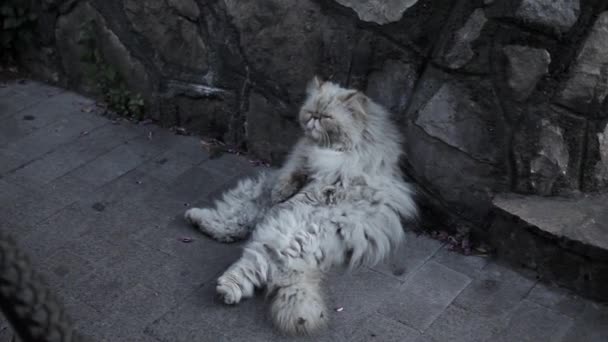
<point>347,96</point>
<point>314,84</point>
<point>356,101</point>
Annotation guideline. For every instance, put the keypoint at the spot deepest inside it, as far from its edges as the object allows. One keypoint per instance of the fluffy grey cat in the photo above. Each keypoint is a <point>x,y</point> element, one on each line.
<point>337,201</point>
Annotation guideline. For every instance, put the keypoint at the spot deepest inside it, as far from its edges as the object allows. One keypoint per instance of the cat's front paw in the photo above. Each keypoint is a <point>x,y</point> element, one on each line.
<point>229,291</point>
<point>193,216</point>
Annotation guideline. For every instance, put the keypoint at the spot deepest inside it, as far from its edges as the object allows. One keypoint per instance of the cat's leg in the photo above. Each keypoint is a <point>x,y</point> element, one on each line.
<point>240,280</point>
<point>298,306</point>
<point>293,174</point>
<point>234,215</point>
<point>287,185</point>
<point>287,268</point>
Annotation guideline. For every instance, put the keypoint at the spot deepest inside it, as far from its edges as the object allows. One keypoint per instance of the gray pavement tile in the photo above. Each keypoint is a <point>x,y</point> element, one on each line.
<point>196,183</point>
<point>470,265</point>
<point>17,96</point>
<point>167,166</point>
<point>50,137</point>
<point>102,288</point>
<point>40,201</point>
<point>557,299</point>
<point>202,318</point>
<point>9,162</point>
<point>379,328</point>
<point>128,316</point>
<point>167,239</point>
<point>411,256</point>
<point>76,153</point>
<point>460,325</point>
<point>9,192</point>
<point>113,164</point>
<point>64,268</point>
<point>49,235</point>
<point>590,326</point>
<point>119,221</point>
<point>42,114</point>
<point>194,262</point>
<point>358,293</point>
<point>425,295</point>
<point>134,186</point>
<point>189,148</point>
<point>532,322</point>
<point>228,165</point>
<point>495,292</point>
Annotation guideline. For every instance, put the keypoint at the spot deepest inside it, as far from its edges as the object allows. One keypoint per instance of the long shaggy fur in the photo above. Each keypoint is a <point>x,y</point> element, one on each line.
<point>337,201</point>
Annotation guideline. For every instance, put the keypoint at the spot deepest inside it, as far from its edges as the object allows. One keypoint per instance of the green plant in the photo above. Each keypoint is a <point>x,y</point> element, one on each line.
<point>17,22</point>
<point>107,79</point>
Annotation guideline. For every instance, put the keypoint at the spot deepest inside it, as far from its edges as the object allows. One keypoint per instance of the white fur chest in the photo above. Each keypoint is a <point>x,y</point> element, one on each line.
<point>329,164</point>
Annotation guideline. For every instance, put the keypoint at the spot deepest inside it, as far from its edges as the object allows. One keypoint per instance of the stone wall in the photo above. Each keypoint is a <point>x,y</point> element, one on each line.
<point>492,95</point>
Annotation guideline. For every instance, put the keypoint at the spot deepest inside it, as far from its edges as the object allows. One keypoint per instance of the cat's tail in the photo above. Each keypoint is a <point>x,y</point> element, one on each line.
<point>299,308</point>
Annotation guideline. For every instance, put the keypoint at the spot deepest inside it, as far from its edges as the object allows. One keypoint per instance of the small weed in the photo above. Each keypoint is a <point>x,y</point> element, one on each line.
<point>106,78</point>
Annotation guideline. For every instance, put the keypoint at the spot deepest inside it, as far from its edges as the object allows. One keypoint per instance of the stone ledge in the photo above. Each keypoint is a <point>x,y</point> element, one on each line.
<point>563,239</point>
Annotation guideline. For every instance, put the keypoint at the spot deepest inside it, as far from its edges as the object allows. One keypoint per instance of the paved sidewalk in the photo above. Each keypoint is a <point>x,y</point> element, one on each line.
<point>98,205</point>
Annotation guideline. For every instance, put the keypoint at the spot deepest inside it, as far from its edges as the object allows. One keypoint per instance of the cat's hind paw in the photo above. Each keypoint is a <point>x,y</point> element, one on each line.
<point>228,291</point>
<point>193,216</point>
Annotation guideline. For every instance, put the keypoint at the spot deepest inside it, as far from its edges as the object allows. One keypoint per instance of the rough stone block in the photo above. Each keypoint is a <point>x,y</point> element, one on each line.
<point>548,150</point>
<point>587,85</point>
<point>525,68</point>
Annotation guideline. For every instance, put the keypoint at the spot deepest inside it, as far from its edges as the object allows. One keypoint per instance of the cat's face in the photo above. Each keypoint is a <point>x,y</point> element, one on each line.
<point>332,116</point>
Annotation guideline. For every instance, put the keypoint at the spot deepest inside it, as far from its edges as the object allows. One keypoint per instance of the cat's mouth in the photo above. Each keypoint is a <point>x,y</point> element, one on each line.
<point>313,128</point>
